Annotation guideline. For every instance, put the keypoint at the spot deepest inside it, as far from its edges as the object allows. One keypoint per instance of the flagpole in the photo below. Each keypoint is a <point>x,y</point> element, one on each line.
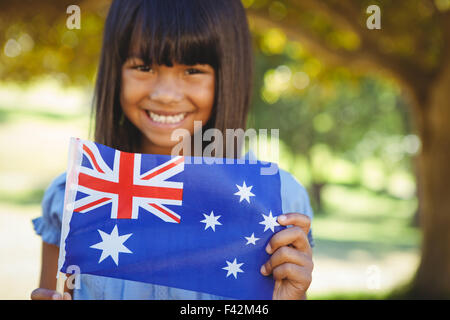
<point>74,161</point>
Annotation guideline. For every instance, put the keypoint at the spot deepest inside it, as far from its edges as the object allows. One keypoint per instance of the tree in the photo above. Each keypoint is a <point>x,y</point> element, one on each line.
<point>327,113</point>
<point>412,46</point>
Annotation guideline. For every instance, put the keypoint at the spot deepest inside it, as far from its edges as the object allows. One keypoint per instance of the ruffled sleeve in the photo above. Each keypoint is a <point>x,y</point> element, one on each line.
<point>295,198</point>
<point>48,226</point>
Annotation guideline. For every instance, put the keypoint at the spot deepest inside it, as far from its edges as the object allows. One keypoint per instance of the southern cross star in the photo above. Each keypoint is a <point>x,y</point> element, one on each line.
<point>112,244</point>
<point>269,222</point>
<point>251,239</point>
<point>244,192</point>
<point>233,268</point>
<point>211,221</point>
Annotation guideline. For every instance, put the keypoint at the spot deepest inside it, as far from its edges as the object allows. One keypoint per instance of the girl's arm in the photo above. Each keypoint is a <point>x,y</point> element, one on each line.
<point>47,283</point>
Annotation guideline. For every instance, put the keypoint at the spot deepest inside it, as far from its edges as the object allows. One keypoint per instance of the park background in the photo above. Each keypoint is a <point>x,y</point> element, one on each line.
<point>362,117</point>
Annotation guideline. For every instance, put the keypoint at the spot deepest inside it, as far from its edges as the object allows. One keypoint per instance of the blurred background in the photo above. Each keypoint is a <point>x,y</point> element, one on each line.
<point>362,115</point>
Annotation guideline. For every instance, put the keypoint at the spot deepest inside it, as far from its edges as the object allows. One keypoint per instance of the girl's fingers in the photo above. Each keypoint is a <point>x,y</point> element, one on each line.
<point>289,236</point>
<point>45,294</point>
<point>286,255</point>
<point>293,272</point>
<point>67,296</point>
<point>296,219</point>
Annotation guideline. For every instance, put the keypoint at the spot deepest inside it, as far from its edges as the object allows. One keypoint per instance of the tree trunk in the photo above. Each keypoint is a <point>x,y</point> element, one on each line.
<point>415,221</point>
<point>316,195</point>
<point>432,279</point>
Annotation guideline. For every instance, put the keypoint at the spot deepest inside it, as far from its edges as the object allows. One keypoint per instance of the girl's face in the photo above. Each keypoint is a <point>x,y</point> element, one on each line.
<point>159,99</point>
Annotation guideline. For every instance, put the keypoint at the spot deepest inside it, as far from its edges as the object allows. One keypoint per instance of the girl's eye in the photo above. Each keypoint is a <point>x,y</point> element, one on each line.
<point>193,71</point>
<point>143,68</point>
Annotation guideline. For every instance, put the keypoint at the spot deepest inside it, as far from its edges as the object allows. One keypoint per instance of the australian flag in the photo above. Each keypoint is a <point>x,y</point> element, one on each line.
<point>172,221</point>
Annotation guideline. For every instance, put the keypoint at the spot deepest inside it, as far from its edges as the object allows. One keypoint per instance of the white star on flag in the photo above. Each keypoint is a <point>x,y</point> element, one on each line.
<point>269,222</point>
<point>233,268</point>
<point>211,221</point>
<point>251,239</point>
<point>244,192</point>
<point>112,244</point>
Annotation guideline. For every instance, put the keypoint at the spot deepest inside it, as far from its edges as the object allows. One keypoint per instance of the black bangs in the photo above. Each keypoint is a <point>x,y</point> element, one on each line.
<point>167,32</point>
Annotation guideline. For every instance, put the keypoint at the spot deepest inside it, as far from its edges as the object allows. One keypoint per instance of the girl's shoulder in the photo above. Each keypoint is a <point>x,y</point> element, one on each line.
<point>55,191</point>
<point>294,196</point>
<point>48,225</point>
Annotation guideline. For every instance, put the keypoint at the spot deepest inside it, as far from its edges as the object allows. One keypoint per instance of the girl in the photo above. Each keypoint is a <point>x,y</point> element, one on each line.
<point>165,64</point>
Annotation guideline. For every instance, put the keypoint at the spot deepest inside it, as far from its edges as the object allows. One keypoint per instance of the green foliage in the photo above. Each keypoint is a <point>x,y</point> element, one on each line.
<point>332,117</point>
<point>36,43</point>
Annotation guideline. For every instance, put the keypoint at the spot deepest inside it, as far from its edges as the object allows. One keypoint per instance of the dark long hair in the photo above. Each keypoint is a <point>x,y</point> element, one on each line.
<point>187,32</point>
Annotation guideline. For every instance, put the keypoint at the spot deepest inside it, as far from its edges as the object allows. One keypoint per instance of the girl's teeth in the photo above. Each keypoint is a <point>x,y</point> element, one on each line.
<point>166,119</point>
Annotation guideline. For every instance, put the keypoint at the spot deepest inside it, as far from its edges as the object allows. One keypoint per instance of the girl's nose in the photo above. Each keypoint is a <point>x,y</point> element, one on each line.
<point>166,92</point>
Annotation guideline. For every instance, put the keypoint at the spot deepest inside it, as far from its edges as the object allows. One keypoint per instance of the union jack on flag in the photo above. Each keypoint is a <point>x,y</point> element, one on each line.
<point>169,220</point>
<point>126,187</point>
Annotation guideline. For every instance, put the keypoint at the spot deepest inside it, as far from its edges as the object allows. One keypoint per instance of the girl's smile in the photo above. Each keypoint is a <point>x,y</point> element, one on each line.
<point>166,118</point>
<point>159,99</point>
<point>169,120</point>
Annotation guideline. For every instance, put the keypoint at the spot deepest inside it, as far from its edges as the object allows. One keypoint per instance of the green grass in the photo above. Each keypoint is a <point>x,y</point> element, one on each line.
<point>22,198</point>
<point>359,228</point>
<point>350,296</point>
<point>356,214</point>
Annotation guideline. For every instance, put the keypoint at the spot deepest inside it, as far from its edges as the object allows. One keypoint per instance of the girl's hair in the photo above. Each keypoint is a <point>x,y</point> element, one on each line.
<point>187,32</point>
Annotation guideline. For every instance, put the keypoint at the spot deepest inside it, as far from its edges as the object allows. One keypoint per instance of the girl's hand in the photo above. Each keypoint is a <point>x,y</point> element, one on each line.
<point>291,261</point>
<point>47,294</point>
